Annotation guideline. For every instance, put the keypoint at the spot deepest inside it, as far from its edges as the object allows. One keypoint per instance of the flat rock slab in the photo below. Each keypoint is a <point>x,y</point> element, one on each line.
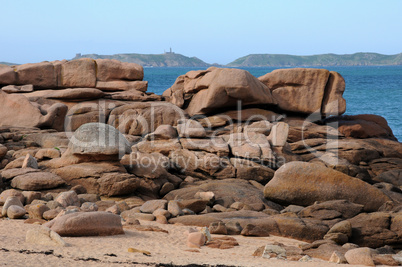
<point>87,224</point>
<point>37,181</point>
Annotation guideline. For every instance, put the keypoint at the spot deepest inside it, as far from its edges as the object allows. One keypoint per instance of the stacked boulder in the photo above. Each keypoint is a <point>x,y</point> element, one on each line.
<point>49,91</point>
<point>300,90</point>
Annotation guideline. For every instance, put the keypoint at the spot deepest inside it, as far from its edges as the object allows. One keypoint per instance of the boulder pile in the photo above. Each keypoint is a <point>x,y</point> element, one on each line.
<point>220,149</point>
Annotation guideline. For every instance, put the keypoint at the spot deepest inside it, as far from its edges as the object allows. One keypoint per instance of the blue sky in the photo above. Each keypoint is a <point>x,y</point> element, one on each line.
<point>217,31</point>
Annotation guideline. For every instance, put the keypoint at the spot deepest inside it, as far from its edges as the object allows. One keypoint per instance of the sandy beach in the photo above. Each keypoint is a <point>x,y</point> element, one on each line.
<point>167,249</point>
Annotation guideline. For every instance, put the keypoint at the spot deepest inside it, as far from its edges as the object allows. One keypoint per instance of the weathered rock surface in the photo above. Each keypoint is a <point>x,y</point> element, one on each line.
<point>306,183</point>
<point>37,181</point>
<point>95,142</point>
<point>218,88</point>
<point>14,110</point>
<point>360,256</point>
<point>238,190</point>
<point>111,70</point>
<point>144,118</point>
<point>376,229</point>
<point>363,126</point>
<point>87,224</point>
<point>307,90</point>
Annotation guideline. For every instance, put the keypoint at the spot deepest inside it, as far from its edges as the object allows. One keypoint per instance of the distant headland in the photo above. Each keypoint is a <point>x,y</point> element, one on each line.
<point>171,59</point>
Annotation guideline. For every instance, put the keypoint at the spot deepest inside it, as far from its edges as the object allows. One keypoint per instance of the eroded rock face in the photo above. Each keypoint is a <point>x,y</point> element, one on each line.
<point>14,109</point>
<point>144,118</point>
<point>363,126</point>
<point>216,88</point>
<point>306,90</point>
<point>306,183</point>
<point>238,190</point>
<point>112,70</point>
<point>376,229</point>
<point>97,140</point>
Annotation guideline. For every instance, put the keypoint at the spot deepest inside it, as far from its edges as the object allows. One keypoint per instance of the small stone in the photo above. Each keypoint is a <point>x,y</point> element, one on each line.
<point>190,128</point>
<point>47,153</point>
<point>219,208</point>
<point>12,200</point>
<point>292,208</point>
<point>218,228</point>
<point>237,205</point>
<point>69,198</point>
<point>51,214</point>
<point>254,230</point>
<point>195,240</point>
<point>38,201</point>
<point>398,258</point>
<point>274,250</point>
<point>161,219</point>
<point>88,198</point>
<point>31,196</point>
<point>162,212</point>
<point>89,206</point>
<point>305,258</point>
<point>350,246</point>
<point>226,242</point>
<point>163,132</point>
<point>174,208</point>
<point>152,205</point>
<point>385,250</point>
<point>34,221</point>
<point>15,212</point>
<point>166,188</point>
<point>11,193</point>
<point>36,211</point>
<point>210,196</point>
<point>338,258</point>
<point>233,228</point>
<point>131,221</point>
<point>114,209</point>
<point>360,256</point>
<point>206,233</point>
<point>137,215</point>
<point>30,162</point>
<point>188,212</point>
<point>48,197</point>
<point>344,227</point>
<point>123,206</point>
<point>339,238</point>
<point>53,204</point>
<point>79,189</point>
<point>385,259</point>
<point>44,236</point>
<point>279,134</point>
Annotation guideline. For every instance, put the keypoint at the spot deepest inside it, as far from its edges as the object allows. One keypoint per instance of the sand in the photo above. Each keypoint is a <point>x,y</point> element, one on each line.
<point>167,249</point>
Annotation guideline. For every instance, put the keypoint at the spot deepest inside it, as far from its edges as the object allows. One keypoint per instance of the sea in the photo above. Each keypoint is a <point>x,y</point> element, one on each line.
<point>369,89</point>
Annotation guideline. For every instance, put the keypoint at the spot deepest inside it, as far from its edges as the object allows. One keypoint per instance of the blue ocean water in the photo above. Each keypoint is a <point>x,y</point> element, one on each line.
<point>369,89</point>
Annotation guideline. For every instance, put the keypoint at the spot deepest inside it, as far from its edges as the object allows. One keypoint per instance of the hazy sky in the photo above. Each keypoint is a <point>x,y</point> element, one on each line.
<point>216,31</point>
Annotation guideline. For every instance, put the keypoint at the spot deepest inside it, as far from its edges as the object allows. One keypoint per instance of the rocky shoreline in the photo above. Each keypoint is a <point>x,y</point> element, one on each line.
<point>86,151</point>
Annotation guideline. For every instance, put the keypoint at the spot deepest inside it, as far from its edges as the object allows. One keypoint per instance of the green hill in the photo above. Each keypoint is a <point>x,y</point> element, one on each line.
<point>153,60</point>
<point>7,63</point>
<point>278,60</point>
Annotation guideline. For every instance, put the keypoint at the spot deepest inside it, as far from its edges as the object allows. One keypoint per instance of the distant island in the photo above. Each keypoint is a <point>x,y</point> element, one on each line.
<point>7,63</point>
<point>168,59</point>
<point>278,60</point>
<point>171,59</point>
